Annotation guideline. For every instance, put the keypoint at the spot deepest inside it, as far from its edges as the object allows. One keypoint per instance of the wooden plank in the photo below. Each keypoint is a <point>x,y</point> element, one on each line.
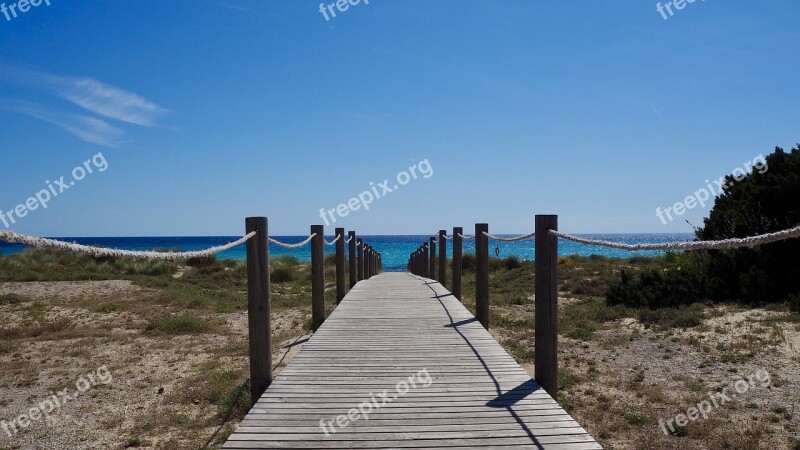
<point>423,370</point>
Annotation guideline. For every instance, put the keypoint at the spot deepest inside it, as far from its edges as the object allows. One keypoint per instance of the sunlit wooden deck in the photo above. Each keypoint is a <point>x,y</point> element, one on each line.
<point>385,336</point>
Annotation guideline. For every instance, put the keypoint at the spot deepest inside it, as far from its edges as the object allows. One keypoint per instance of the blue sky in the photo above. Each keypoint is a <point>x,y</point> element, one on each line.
<point>209,111</point>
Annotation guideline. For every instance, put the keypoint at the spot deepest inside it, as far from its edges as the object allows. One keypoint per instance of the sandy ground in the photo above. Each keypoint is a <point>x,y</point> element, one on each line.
<point>143,371</point>
<point>629,379</point>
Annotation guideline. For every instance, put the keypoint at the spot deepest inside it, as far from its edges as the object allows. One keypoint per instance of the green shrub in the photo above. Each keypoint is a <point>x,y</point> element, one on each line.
<point>580,319</point>
<point>205,261</point>
<point>639,259</point>
<point>794,303</point>
<point>283,269</point>
<point>567,379</point>
<point>512,262</point>
<point>179,325</point>
<point>287,260</point>
<point>468,262</point>
<point>11,299</point>
<point>764,201</point>
<point>281,274</point>
<point>658,289</point>
<point>509,263</point>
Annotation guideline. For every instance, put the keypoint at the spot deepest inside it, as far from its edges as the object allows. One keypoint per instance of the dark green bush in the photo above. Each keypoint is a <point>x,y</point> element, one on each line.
<point>468,262</point>
<point>283,269</point>
<point>655,289</point>
<point>766,200</point>
<point>281,274</point>
<point>794,303</point>
<point>205,261</point>
<point>11,299</point>
<point>512,262</point>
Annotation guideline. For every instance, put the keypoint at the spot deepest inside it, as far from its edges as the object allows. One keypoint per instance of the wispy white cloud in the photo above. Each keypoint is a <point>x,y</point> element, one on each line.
<point>108,101</point>
<point>96,97</point>
<point>89,129</point>
<point>93,95</point>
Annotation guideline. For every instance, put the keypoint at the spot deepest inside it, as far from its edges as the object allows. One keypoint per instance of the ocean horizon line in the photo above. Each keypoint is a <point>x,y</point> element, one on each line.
<point>395,248</point>
<point>236,236</point>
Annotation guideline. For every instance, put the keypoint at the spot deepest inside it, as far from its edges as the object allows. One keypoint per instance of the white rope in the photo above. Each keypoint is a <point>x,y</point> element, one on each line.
<point>333,241</point>
<point>347,241</point>
<point>448,238</point>
<point>297,245</point>
<point>694,245</point>
<point>16,238</point>
<point>466,238</point>
<point>512,239</point>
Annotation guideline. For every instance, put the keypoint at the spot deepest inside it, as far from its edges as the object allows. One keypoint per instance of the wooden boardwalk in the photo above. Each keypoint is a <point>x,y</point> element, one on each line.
<point>395,333</point>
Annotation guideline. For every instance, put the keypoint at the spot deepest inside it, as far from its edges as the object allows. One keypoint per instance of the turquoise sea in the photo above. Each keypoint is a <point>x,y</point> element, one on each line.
<point>395,249</point>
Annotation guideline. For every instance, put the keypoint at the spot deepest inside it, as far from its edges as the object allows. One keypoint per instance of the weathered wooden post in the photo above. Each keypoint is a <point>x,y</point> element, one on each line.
<point>425,259</point>
<point>258,307</point>
<point>360,262</point>
<point>432,264</point>
<point>340,289</point>
<point>482,274</point>
<point>442,257</point>
<point>546,304</point>
<point>367,261</point>
<point>371,261</point>
<point>457,268</point>
<point>317,276</point>
<point>351,258</point>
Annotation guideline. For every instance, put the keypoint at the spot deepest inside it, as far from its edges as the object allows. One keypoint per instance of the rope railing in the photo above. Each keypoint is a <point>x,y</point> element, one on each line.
<point>297,245</point>
<point>347,241</point>
<point>723,244</point>
<point>38,242</point>
<point>509,239</point>
<point>333,241</point>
